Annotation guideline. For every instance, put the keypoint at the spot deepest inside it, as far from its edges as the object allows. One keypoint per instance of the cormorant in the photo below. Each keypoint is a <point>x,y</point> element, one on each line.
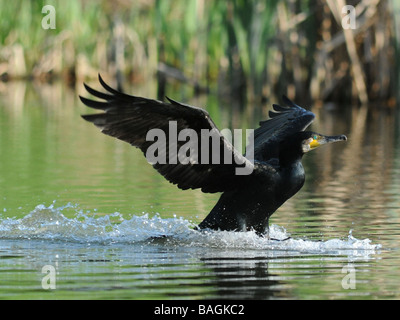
<point>247,200</point>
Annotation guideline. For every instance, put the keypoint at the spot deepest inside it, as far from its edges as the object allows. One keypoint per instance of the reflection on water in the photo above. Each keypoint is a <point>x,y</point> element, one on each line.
<point>75,199</point>
<point>154,257</point>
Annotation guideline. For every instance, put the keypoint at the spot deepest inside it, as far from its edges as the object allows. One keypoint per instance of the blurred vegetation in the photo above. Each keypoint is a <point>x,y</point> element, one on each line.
<point>246,49</point>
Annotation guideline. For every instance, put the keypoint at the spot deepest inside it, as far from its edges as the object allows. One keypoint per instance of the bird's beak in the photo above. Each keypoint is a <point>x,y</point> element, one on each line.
<point>319,140</point>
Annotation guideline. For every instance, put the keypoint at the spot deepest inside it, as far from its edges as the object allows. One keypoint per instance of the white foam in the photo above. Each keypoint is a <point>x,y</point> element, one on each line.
<point>50,223</point>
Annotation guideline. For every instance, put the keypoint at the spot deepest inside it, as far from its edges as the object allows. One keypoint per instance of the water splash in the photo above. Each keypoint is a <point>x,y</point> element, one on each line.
<point>50,223</point>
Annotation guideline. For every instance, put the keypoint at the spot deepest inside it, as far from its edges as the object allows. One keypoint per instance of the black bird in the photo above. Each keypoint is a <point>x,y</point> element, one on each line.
<point>248,200</point>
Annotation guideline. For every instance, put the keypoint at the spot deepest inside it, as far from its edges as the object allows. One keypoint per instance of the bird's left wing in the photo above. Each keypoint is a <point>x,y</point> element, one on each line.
<point>131,119</point>
<point>284,121</point>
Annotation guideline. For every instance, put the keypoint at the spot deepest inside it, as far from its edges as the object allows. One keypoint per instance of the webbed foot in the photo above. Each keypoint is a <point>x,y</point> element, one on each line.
<point>280,239</point>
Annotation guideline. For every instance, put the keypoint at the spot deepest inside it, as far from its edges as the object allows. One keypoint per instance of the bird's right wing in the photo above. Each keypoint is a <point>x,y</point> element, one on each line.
<point>284,121</point>
<point>132,119</point>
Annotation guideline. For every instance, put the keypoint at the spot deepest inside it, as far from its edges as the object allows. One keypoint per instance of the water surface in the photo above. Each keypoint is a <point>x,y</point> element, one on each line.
<point>111,227</point>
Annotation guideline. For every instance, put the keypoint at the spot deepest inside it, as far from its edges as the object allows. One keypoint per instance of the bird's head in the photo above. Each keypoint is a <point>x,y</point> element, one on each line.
<point>312,140</point>
<point>293,148</point>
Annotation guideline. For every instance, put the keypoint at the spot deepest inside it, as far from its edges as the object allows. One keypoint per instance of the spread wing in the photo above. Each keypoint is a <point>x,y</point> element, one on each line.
<point>284,121</point>
<point>155,127</point>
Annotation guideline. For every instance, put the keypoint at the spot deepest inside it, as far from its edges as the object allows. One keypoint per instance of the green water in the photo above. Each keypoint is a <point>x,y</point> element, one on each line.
<point>89,206</point>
